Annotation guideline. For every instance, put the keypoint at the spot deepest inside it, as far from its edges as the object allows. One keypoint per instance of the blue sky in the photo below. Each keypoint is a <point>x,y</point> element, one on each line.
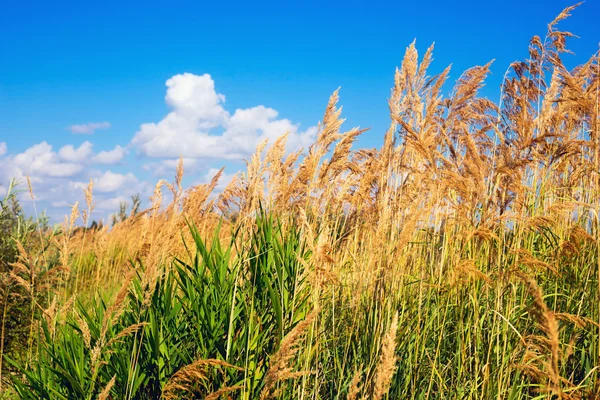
<point>76,63</point>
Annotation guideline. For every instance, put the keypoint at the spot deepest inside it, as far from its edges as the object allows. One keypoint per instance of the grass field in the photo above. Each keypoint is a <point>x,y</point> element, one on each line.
<point>459,260</point>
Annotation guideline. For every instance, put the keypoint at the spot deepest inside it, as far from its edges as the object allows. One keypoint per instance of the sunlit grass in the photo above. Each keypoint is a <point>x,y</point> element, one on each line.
<point>459,260</point>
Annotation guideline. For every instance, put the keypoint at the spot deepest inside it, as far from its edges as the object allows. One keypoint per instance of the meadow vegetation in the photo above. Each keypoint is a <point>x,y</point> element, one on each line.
<point>459,260</point>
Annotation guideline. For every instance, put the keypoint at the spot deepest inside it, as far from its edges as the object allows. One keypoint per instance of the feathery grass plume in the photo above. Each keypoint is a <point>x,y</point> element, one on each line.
<point>251,187</point>
<point>113,312</point>
<point>89,200</point>
<point>50,314</point>
<point>227,198</point>
<point>85,330</point>
<point>435,221</point>
<point>546,318</point>
<point>25,273</point>
<point>105,393</point>
<point>386,369</point>
<point>355,386</point>
<point>194,202</point>
<point>29,187</point>
<point>274,167</point>
<point>466,272</point>
<point>24,266</point>
<point>131,329</point>
<point>186,379</point>
<point>156,198</point>
<point>227,389</point>
<point>175,188</point>
<point>280,368</point>
<point>65,242</point>
<point>327,135</point>
<point>578,320</point>
<point>111,315</point>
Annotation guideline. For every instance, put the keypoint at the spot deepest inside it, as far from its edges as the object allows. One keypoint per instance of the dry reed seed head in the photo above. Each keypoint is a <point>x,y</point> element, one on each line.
<point>26,285</point>
<point>23,266</point>
<point>276,152</point>
<point>131,329</point>
<point>95,356</point>
<point>50,312</point>
<point>195,201</point>
<point>105,393</point>
<point>466,271</point>
<point>549,325</point>
<point>444,166</point>
<point>156,197</point>
<point>29,187</point>
<point>23,254</point>
<point>187,377</point>
<point>527,259</point>
<point>386,368</point>
<point>228,197</point>
<point>89,199</point>
<point>66,308</point>
<point>114,311</point>
<point>85,330</point>
<point>564,14</point>
<point>331,123</point>
<point>280,368</point>
<point>224,390</point>
<point>179,175</point>
<point>73,217</point>
<point>84,217</point>
<point>355,386</point>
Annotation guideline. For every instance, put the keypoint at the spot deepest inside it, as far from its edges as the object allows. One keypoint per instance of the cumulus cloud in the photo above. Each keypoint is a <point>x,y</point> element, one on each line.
<point>198,111</point>
<point>60,204</point>
<point>89,128</point>
<point>112,203</point>
<point>113,156</point>
<point>47,170</point>
<point>174,162</point>
<point>58,177</point>
<point>77,155</point>
<point>110,182</point>
<point>197,127</point>
<point>40,160</point>
<point>168,166</point>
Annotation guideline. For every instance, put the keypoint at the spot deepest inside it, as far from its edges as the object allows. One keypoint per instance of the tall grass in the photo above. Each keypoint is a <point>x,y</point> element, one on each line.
<point>459,260</point>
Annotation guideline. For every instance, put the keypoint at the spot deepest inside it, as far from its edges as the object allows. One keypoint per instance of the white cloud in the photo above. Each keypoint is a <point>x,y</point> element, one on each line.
<point>70,153</point>
<point>111,182</point>
<point>110,157</point>
<point>174,162</point>
<point>168,166</point>
<point>58,178</point>
<point>195,98</point>
<point>197,127</point>
<point>197,109</point>
<point>40,160</point>
<point>112,203</point>
<point>60,204</point>
<point>89,128</point>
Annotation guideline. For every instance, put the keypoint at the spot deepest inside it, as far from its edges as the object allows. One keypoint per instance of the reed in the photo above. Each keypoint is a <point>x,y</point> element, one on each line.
<point>459,260</point>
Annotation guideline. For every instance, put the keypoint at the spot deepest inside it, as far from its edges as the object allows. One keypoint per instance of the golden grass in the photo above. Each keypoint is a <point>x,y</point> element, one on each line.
<point>455,201</point>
